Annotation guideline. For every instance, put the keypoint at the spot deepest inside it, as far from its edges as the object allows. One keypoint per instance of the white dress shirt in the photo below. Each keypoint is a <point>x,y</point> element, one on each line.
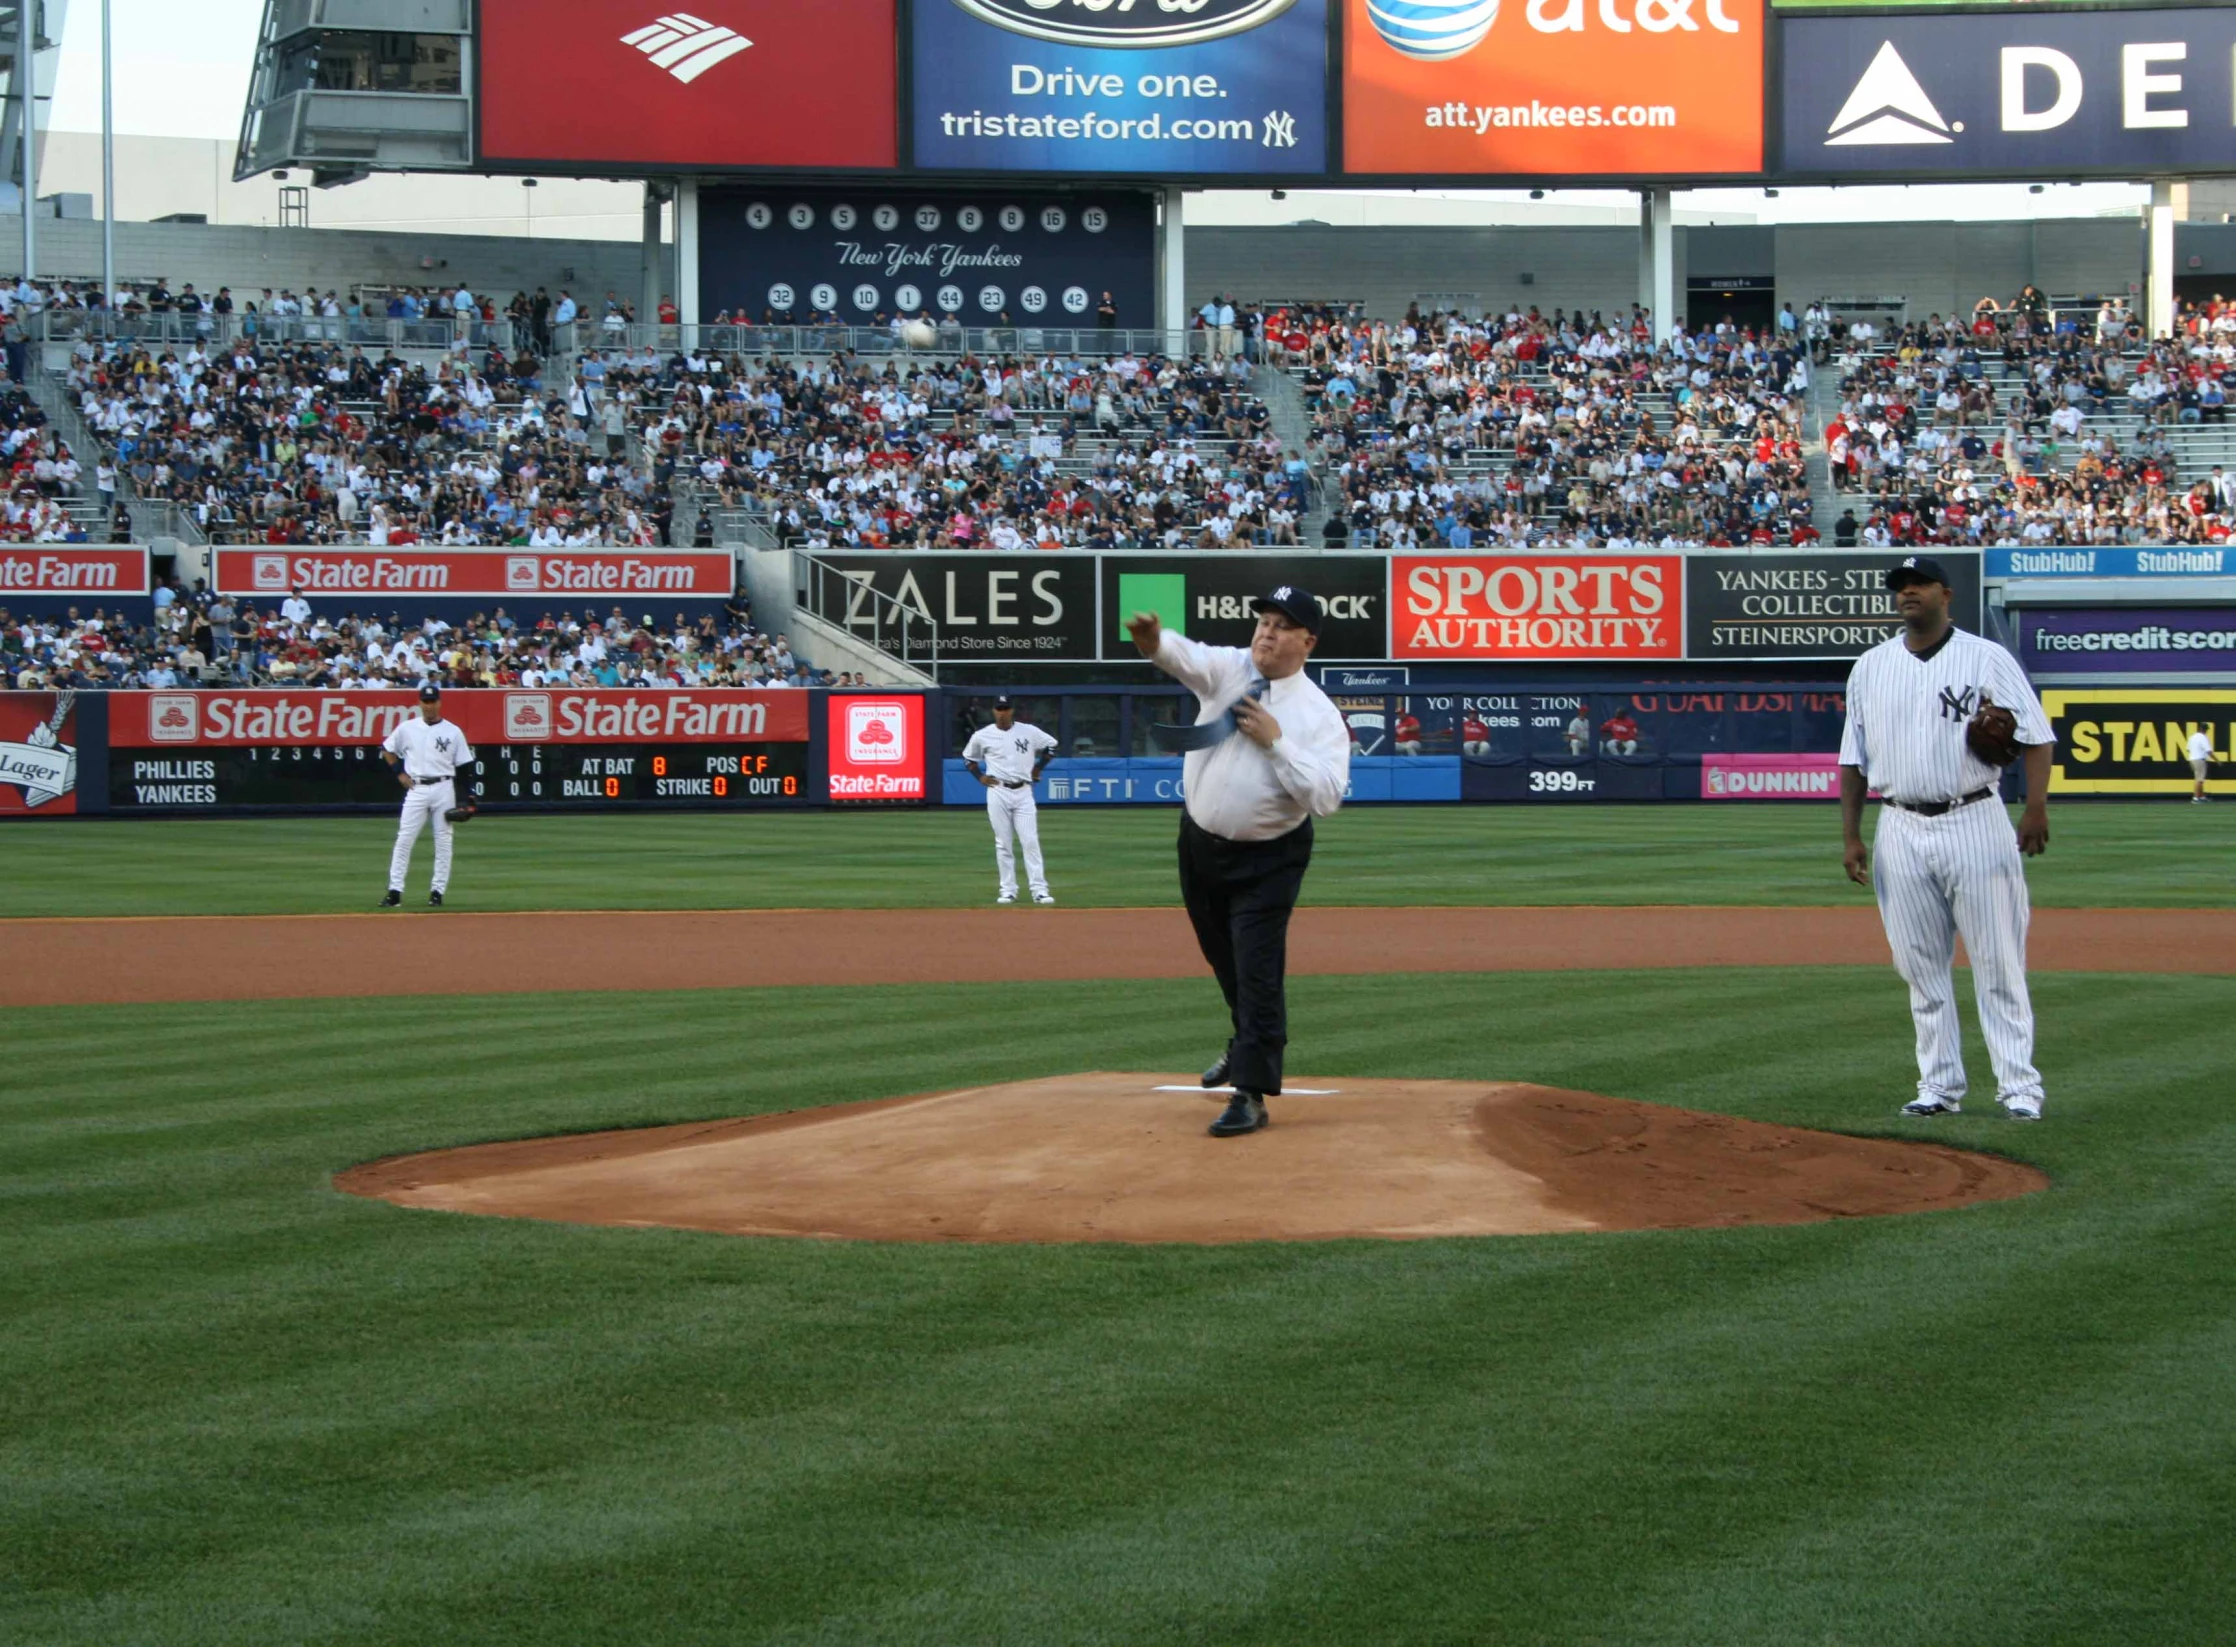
<point>1237,789</point>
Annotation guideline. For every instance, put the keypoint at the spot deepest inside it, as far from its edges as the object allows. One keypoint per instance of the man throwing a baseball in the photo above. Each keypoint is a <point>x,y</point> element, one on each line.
<point>1008,758</point>
<point>1933,716</point>
<point>426,755</point>
<point>1268,753</point>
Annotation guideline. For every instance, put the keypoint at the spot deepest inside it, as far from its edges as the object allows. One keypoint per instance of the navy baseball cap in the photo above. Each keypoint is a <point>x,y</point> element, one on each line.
<point>1003,703</point>
<point>430,693</point>
<point>1917,569</point>
<point>1300,606</point>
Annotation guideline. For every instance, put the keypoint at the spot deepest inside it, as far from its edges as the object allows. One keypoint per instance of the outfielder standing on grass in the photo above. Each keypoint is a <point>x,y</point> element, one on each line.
<point>1933,714</point>
<point>1008,758</point>
<point>1268,754</point>
<point>426,754</point>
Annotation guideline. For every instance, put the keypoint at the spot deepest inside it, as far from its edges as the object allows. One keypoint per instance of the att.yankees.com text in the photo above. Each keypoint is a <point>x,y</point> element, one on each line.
<point>1478,118</point>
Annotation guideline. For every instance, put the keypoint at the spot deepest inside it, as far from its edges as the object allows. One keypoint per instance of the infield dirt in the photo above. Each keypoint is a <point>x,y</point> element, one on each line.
<point>62,962</point>
<point>1123,1157</point>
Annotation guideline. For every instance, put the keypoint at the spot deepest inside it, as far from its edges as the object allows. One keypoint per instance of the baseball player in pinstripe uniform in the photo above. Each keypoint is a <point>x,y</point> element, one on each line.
<point>1948,859</point>
<point>1008,758</point>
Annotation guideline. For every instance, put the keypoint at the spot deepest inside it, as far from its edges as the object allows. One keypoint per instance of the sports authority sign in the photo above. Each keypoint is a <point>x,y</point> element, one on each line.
<point>1536,606</point>
<point>38,754</point>
<point>517,574</point>
<point>2009,93</point>
<point>489,718</point>
<point>876,748</point>
<point>1553,88</point>
<point>624,85</point>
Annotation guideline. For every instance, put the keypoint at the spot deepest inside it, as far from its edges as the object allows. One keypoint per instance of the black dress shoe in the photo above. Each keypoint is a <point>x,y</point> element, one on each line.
<point>1216,1075</point>
<point>1245,1112</point>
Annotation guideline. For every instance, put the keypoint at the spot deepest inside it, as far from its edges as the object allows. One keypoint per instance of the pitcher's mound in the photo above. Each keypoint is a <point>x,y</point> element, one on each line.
<point>1104,1157</point>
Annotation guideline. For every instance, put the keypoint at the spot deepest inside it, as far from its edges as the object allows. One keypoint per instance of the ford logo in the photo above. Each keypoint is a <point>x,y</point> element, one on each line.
<point>1126,24</point>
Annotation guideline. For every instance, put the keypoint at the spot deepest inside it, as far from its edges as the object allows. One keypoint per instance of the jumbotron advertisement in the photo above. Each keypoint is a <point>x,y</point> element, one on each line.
<point>1298,91</point>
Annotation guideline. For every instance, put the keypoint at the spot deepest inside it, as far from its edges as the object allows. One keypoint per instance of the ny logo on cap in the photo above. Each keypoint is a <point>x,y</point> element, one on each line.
<point>1281,593</point>
<point>1910,560</point>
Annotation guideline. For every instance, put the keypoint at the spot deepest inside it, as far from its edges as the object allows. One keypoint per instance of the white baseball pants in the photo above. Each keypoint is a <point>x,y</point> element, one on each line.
<point>426,804</point>
<point>1939,877</point>
<point>1015,817</point>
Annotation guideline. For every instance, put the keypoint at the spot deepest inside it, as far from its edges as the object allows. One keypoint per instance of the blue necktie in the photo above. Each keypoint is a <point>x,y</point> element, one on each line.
<point>1216,730</point>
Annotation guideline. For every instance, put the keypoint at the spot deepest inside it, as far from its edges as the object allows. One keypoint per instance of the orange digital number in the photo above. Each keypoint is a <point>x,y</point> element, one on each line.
<point>791,786</point>
<point>721,786</point>
<point>613,786</point>
<point>659,766</point>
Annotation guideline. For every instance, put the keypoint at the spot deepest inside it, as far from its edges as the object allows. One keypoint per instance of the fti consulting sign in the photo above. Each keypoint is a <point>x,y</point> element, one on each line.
<point>1230,87</point>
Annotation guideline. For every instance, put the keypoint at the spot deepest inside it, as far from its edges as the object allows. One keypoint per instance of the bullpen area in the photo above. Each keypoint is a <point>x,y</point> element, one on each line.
<point>731,1228</point>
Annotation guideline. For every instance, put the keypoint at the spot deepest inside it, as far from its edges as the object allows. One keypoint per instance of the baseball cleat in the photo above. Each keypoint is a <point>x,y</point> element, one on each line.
<point>1245,1112</point>
<point>2021,1109</point>
<point>434,900</point>
<point>1044,898</point>
<point>392,900</point>
<point>1932,1106</point>
<point>1006,898</point>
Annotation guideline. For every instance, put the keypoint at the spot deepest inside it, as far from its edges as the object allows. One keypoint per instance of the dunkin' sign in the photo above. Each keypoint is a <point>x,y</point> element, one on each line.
<point>497,574</point>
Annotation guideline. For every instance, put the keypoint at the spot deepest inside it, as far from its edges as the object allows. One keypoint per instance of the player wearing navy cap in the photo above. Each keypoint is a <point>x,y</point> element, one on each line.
<point>1933,714</point>
<point>1008,758</point>
<point>1268,754</point>
<point>426,755</point>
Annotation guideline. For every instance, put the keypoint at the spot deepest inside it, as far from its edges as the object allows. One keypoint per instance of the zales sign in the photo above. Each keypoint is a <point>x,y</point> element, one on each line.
<point>1127,23</point>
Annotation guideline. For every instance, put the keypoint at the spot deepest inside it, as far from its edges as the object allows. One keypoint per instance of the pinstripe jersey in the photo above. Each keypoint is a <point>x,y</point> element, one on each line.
<point>1907,714</point>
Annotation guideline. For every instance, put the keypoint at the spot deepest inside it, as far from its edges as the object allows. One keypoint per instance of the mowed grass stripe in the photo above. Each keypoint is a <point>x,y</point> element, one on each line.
<point>2112,854</point>
<point>243,1409</point>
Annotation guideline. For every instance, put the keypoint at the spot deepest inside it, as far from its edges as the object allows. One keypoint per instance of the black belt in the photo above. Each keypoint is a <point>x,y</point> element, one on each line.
<point>1934,809</point>
<point>430,780</point>
<point>1015,783</point>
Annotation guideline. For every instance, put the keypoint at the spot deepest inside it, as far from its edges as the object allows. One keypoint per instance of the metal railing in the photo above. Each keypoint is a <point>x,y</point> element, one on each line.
<point>173,329</point>
<point>758,340</point>
<point>851,606</point>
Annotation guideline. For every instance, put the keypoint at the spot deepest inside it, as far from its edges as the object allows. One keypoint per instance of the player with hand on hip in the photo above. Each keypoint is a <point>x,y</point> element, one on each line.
<point>1008,758</point>
<point>2200,763</point>
<point>426,755</point>
<point>1933,713</point>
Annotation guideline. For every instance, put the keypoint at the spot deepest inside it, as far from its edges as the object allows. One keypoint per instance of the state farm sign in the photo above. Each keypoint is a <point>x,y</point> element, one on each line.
<point>67,569</point>
<point>282,719</point>
<point>472,573</point>
<point>877,749</point>
<point>1537,606</point>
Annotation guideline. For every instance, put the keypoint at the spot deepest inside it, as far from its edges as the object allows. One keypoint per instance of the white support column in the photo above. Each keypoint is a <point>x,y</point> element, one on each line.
<point>1657,261</point>
<point>2158,275</point>
<point>1172,283</point>
<point>687,250</point>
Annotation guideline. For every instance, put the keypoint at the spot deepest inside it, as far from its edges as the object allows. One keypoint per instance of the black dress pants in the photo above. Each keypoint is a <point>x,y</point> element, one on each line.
<point>1239,895</point>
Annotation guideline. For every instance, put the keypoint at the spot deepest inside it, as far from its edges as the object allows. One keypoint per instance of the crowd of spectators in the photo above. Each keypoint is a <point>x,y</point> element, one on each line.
<point>1524,428</point>
<point>1006,453</point>
<point>42,475</point>
<point>198,638</point>
<point>2019,424</point>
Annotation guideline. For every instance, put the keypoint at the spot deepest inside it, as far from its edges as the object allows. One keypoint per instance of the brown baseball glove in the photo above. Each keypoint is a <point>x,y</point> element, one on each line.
<point>459,814</point>
<point>1993,733</point>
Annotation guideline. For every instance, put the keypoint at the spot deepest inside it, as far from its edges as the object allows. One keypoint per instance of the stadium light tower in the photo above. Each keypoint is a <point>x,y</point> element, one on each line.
<point>29,34</point>
<point>344,88</point>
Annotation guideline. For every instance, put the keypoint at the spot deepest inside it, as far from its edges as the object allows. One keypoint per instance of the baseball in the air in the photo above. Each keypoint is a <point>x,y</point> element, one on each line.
<point>919,334</point>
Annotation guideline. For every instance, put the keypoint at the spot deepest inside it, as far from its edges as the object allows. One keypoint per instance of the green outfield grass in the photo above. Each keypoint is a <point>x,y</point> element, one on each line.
<point>2133,853</point>
<point>238,1409</point>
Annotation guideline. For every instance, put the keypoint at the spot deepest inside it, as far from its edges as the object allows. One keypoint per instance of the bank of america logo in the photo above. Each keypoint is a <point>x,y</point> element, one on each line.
<point>1888,106</point>
<point>686,46</point>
